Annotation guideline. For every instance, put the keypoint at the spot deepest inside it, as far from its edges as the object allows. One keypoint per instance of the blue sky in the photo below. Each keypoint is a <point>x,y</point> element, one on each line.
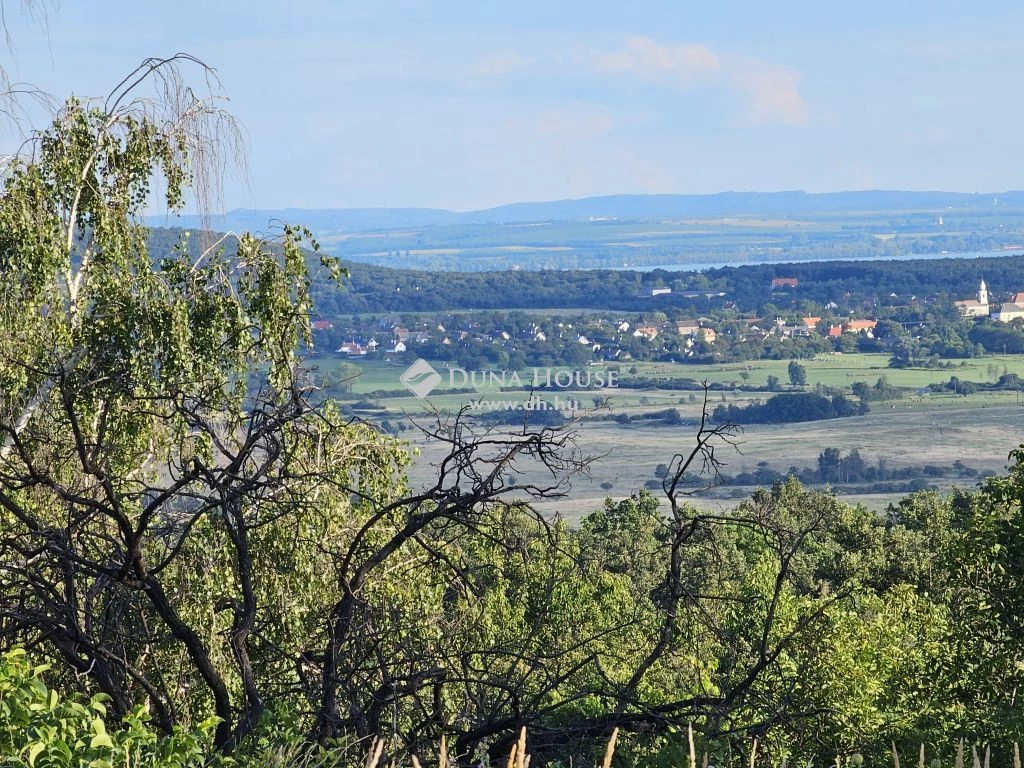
<point>470,104</point>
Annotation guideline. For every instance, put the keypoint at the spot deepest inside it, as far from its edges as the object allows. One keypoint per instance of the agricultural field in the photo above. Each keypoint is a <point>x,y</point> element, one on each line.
<point>838,370</point>
<point>922,428</point>
<point>561,239</point>
<point>979,435</point>
<point>841,370</point>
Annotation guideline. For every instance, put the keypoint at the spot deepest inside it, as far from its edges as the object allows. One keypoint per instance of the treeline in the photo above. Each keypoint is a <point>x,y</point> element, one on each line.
<point>1008,382</point>
<point>837,469</point>
<point>376,289</point>
<point>790,408</point>
<point>999,338</point>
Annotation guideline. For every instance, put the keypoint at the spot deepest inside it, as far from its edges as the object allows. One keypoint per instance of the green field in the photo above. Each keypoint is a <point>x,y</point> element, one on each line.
<point>919,429</point>
<point>839,370</point>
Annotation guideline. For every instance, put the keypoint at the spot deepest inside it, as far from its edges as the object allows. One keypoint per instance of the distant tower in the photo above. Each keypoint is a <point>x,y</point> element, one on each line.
<point>983,293</point>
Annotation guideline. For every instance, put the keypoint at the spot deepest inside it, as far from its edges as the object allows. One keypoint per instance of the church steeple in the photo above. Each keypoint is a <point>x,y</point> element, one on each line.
<point>983,293</point>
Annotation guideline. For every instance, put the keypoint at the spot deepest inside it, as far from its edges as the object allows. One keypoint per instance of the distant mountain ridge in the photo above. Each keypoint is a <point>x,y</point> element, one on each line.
<point>634,207</point>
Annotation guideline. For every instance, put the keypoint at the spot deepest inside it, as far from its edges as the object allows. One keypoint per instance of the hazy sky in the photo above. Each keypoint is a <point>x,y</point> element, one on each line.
<point>473,103</point>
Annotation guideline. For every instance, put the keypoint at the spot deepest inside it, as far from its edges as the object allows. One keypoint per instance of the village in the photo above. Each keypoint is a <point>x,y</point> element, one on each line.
<point>722,334</point>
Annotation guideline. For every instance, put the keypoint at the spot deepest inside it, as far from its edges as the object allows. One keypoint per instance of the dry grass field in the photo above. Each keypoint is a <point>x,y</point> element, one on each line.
<point>981,437</point>
<point>919,429</point>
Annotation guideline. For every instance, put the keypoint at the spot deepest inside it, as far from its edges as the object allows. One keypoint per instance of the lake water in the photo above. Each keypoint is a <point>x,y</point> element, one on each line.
<point>701,267</point>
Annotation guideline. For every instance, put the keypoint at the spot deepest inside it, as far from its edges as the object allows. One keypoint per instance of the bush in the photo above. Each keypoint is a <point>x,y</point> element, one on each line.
<point>40,729</point>
<point>787,408</point>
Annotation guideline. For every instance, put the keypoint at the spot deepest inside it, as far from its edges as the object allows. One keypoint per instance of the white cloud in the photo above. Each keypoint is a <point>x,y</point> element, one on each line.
<point>770,92</point>
<point>648,58</point>
<point>499,64</point>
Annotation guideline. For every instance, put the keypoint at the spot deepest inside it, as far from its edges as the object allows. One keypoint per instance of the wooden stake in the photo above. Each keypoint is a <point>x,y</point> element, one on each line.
<point>512,757</point>
<point>521,748</point>
<point>1016,755</point>
<point>895,757</point>
<point>442,759</point>
<point>976,759</point>
<point>960,754</point>
<point>753,752</point>
<point>610,749</point>
<point>693,752</point>
<point>920,757</point>
<point>375,752</point>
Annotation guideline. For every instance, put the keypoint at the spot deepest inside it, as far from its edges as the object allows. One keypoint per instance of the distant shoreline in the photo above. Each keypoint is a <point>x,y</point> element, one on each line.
<point>705,266</point>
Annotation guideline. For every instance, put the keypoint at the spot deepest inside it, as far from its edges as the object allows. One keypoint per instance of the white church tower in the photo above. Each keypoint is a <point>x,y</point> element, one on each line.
<point>983,293</point>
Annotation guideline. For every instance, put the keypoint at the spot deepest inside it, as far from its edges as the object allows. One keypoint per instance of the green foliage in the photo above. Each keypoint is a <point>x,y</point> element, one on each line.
<point>797,374</point>
<point>40,728</point>
<point>185,532</point>
<point>788,408</point>
<point>882,390</point>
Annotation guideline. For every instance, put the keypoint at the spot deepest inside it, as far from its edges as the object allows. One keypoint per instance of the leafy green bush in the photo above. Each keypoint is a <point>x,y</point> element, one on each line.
<point>41,729</point>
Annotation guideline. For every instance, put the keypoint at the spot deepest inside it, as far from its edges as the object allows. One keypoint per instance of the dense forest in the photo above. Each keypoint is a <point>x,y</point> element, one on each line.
<point>203,564</point>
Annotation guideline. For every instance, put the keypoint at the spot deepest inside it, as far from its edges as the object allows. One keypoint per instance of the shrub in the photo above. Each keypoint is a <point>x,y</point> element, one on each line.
<point>40,729</point>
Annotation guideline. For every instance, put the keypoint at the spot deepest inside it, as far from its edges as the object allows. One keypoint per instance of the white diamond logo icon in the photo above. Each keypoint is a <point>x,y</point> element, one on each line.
<point>420,378</point>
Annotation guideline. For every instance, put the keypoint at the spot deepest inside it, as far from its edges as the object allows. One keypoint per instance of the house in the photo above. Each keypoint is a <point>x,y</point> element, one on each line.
<point>1018,298</point>
<point>323,325</point>
<point>399,346</point>
<point>352,349</point>
<point>785,282</point>
<point>623,327</point>
<point>708,335</point>
<point>1009,311</point>
<point>688,327</point>
<point>660,291</point>
<point>835,331</point>
<point>861,326</point>
<point>811,322</point>
<point>648,332</point>
<point>400,333</point>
